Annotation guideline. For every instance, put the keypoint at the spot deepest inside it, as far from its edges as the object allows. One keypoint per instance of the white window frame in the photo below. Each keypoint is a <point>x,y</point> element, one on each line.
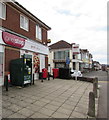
<point>1,17</point>
<point>25,18</point>
<point>38,32</point>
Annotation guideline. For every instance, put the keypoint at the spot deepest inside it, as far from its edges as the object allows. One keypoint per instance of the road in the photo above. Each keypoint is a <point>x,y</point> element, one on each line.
<point>103,78</point>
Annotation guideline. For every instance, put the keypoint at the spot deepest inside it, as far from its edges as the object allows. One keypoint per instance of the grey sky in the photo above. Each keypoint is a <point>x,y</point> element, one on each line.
<point>75,21</point>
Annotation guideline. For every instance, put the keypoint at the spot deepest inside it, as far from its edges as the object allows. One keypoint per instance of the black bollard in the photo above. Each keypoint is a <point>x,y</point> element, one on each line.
<point>53,75</point>
<point>42,77</point>
<point>48,76</point>
<point>33,79</point>
<point>6,80</point>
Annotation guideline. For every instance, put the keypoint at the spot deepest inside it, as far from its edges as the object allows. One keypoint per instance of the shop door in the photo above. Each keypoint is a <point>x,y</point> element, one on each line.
<point>1,69</point>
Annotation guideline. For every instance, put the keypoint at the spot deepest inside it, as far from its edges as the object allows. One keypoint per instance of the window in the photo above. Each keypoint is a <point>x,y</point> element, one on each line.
<point>2,11</point>
<point>38,32</point>
<point>61,54</point>
<point>23,22</point>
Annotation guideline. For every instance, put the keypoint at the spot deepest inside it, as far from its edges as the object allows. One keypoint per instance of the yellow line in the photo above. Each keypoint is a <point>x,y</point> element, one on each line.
<point>103,81</point>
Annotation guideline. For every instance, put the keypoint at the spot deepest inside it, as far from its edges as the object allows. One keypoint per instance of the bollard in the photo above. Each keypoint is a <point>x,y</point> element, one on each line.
<point>53,75</point>
<point>76,78</point>
<point>42,77</point>
<point>95,87</point>
<point>96,79</point>
<point>91,107</point>
<point>6,80</point>
<point>48,76</point>
<point>33,79</point>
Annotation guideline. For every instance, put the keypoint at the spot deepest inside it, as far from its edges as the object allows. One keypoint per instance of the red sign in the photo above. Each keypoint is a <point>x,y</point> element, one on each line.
<point>13,40</point>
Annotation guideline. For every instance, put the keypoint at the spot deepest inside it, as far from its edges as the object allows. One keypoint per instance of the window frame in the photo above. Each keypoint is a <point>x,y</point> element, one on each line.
<point>38,32</point>
<point>25,18</point>
<point>61,55</point>
<point>1,17</point>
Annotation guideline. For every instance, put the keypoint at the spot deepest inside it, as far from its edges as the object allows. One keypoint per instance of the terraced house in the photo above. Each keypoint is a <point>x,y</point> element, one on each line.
<point>61,52</point>
<point>21,34</point>
<point>79,59</point>
<point>86,59</point>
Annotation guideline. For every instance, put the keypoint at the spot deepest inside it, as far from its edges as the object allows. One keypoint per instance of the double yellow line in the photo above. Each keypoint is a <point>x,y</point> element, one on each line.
<point>103,81</point>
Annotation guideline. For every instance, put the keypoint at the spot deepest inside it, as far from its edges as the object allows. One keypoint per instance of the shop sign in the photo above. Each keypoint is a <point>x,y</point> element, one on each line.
<point>75,49</point>
<point>36,47</point>
<point>13,40</point>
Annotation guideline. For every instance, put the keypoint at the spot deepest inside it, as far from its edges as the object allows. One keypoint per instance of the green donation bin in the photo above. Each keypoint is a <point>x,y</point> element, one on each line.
<point>21,71</point>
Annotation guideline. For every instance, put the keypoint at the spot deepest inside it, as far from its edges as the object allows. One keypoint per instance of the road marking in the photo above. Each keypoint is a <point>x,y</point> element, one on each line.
<point>103,81</point>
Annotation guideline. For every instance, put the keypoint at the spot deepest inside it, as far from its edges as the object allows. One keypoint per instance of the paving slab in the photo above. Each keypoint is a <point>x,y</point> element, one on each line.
<point>51,99</point>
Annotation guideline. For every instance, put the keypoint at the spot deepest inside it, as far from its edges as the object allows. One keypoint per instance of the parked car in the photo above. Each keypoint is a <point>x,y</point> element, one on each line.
<point>75,73</point>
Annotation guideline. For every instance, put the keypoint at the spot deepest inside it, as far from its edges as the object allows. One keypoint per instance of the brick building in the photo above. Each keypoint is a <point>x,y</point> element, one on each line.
<point>21,33</point>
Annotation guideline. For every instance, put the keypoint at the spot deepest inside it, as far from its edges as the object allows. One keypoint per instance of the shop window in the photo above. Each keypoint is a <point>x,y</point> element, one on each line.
<point>38,32</point>
<point>2,11</point>
<point>24,22</point>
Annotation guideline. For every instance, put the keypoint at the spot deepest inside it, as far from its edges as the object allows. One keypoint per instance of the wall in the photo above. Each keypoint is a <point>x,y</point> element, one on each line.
<point>12,22</point>
<point>10,54</point>
<point>71,63</point>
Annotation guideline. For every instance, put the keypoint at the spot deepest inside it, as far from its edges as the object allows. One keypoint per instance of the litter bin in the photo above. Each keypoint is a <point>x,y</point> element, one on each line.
<point>64,73</point>
<point>55,72</point>
<point>44,73</point>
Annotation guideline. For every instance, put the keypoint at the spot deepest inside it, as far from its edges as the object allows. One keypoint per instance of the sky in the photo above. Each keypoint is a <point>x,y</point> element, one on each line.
<point>83,22</point>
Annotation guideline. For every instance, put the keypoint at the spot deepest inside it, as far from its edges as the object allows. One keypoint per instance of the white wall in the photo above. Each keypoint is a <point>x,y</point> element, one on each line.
<point>42,62</point>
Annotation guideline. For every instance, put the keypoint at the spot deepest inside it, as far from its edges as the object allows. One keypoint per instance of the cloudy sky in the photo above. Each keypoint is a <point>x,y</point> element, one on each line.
<point>76,21</point>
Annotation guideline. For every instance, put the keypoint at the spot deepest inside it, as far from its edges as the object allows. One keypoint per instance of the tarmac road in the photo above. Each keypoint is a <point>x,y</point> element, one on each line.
<point>103,78</point>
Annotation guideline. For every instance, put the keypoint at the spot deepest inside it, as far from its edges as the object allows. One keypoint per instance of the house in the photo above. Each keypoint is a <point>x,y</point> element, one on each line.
<point>90,61</point>
<point>86,58</point>
<point>58,53</point>
<point>76,57</point>
<point>21,33</point>
<point>97,66</point>
<point>62,52</point>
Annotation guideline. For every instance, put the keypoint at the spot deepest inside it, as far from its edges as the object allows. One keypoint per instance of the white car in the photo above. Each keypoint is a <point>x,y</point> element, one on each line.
<point>75,73</point>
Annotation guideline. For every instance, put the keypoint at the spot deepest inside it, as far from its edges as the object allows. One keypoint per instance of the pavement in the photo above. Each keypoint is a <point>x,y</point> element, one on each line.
<point>49,99</point>
<point>103,105</point>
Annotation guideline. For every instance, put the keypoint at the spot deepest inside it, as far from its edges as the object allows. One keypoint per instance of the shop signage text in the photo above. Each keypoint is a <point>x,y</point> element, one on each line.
<point>13,40</point>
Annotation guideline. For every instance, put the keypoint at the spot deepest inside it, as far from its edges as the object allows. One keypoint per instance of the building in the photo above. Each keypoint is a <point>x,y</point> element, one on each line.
<point>86,58</point>
<point>21,33</point>
<point>58,53</point>
<point>76,57</point>
<point>90,61</point>
<point>97,65</point>
<point>62,52</point>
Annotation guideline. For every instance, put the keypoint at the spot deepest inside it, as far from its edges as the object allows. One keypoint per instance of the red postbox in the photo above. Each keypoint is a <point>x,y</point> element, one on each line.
<point>55,72</point>
<point>44,73</point>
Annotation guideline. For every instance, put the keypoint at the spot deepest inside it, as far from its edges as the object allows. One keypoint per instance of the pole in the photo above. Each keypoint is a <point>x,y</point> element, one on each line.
<point>6,80</point>
<point>48,76</point>
<point>42,77</point>
<point>33,78</point>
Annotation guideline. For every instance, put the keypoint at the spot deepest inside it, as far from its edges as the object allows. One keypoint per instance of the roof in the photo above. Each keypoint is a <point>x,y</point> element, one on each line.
<point>84,50</point>
<point>96,62</point>
<point>60,45</point>
<point>19,5</point>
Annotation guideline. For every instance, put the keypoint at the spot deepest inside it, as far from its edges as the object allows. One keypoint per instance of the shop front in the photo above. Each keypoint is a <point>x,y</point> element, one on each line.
<point>13,47</point>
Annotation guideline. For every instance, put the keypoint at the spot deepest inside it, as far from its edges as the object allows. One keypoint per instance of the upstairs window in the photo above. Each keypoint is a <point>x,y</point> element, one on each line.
<point>2,11</point>
<point>24,23</point>
<point>38,32</point>
<point>61,55</point>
